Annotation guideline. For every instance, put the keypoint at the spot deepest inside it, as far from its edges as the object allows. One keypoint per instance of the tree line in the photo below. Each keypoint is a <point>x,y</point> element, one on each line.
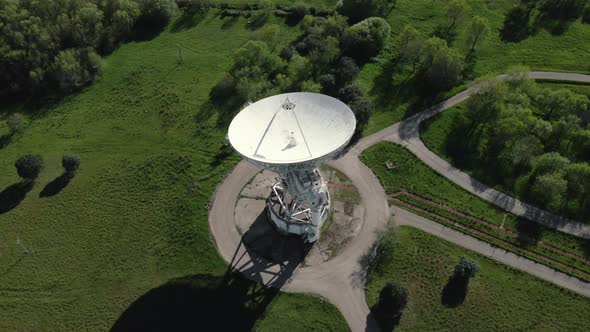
<point>531,140</point>
<point>55,45</point>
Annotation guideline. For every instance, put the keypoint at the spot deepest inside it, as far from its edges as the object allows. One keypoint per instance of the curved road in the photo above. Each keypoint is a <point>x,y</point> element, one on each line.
<point>341,279</point>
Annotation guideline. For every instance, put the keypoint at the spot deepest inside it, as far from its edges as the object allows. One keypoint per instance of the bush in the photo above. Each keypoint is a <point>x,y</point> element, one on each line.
<point>231,13</point>
<point>358,10</point>
<point>156,13</point>
<point>350,93</point>
<point>15,122</point>
<point>347,70</point>
<point>465,268</point>
<point>70,163</point>
<point>328,83</point>
<point>29,166</point>
<point>287,52</point>
<point>362,110</point>
<point>223,90</point>
<point>367,38</point>
<point>299,10</point>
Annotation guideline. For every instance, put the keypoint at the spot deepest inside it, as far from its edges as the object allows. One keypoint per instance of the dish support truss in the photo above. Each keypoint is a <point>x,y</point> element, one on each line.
<point>299,203</point>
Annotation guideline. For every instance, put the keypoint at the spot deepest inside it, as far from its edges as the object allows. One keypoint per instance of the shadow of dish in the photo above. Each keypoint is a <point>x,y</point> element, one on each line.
<point>14,194</point>
<point>455,292</point>
<point>232,302</point>
<point>198,302</point>
<point>57,185</point>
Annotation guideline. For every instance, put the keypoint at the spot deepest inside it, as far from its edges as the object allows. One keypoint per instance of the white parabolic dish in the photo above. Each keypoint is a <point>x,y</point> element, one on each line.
<point>292,128</point>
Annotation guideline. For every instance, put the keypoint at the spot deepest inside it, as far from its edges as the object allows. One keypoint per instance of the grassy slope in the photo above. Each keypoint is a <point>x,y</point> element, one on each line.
<point>414,176</point>
<point>435,131</point>
<point>541,51</point>
<point>499,298</point>
<point>135,215</point>
<point>299,312</point>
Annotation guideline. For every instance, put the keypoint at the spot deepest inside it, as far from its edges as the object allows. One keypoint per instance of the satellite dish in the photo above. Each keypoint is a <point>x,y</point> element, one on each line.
<point>292,134</point>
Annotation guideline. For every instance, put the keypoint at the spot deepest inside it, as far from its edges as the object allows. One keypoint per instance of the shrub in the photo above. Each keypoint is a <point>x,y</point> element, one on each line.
<point>347,70</point>
<point>223,90</point>
<point>70,163</point>
<point>299,10</point>
<point>287,52</point>
<point>357,10</point>
<point>362,110</point>
<point>366,38</point>
<point>156,13</point>
<point>350,93</point>
<point>15,122</point>
<point>29,166</point>
<point>465,268</point>
<point>328,83</point>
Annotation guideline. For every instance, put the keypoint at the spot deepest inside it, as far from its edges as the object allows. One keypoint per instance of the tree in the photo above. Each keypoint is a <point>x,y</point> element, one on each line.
<point>358,10</point>
<point>70,163</point>
<point>409,46</point>
<point>15,122</point>
<point>578,180</point>
<point>455,10</point>
<point>525,150</point>
<point>562,9</point>
<point>393,299</point>
<point>347,70</point>
<point>74,68</point>
<point>465,268</point>
<point>310,86</point>
<point>477,32</point>
<point>254,69</point>
<point>156,12</point>
<point>549,190</point>
<point>29,166</point>
<point>550,162</point>
<point>328,83</point>
<point>350,93</point>
<point>442,66</point>
<point>362,110</point>
<point>367,38</point>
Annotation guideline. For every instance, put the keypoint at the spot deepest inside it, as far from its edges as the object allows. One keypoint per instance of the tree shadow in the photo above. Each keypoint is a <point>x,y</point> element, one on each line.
<point>529,232</point>
<point>12,195</point>
<point>228,23</point>
<point>5,139</point>
<point>386,321</point>
<point>585,244</point>
<point>55,186</point>
<point>222,154</point>
<point>189,18</point>
<point>455,291</point>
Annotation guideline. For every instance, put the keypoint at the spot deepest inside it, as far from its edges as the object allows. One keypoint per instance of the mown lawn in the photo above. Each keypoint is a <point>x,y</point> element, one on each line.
<point>135,215</point>
<point>412,175</point>
<point>499,298</point>
<point>299,312</point>
<point>540,51</point>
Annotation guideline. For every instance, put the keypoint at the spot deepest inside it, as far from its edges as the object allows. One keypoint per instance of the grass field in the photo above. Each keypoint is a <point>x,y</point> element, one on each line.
<point>540,51</point>
<point>298,312</point>
<point>499,298</point>
<point>135,215</point>
<point>413,176</point>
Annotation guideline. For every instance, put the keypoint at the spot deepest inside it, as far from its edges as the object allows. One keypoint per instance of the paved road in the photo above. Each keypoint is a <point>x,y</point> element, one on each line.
<point>341,279</point>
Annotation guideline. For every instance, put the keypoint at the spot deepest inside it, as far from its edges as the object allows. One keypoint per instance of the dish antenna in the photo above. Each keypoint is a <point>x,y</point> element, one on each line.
<point>292,134</point>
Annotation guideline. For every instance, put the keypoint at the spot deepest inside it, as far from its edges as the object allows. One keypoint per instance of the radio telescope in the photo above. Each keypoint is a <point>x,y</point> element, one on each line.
<point>292,134</point>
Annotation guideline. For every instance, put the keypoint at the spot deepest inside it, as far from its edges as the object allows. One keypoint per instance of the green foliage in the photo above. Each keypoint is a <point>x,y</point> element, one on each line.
<point>347,70</point>
<point>254,69</point>
<point>383,252</point>
<point>70,163</point>
<point>478,31</point>
<point>311,86</point>
<point>53,45</point>
<point>549,190</point>
<point>367,38</point>
<point>358,10</point>
<point>15,122</point>
<point>442,65</point>
<point>500,298</point>
<point>29,166</point>
<point>465,268</point>
<point>455,10</point>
